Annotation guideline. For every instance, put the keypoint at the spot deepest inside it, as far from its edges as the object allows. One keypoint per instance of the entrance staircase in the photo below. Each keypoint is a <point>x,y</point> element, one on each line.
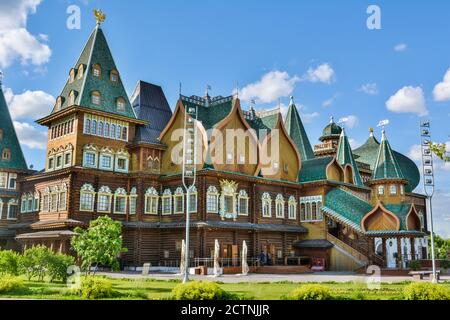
<point>356,255</point>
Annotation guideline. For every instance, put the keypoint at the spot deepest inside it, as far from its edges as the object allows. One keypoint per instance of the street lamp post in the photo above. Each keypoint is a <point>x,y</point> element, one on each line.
<point>189,171</point>
<point>428,181</point>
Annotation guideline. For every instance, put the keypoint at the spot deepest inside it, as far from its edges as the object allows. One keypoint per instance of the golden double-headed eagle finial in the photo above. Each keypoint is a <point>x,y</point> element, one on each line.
<point>99,16</point>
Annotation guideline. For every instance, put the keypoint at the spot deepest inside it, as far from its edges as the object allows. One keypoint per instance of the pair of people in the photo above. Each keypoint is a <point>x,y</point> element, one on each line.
<point>265,258</point>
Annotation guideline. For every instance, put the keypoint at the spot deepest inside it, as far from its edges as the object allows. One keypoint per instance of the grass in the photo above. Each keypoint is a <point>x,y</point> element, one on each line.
<point>130,289</point>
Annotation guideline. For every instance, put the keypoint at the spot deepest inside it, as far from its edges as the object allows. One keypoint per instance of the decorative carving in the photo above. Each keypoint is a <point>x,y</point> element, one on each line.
<point>99,16</point>
<point>229,189</point>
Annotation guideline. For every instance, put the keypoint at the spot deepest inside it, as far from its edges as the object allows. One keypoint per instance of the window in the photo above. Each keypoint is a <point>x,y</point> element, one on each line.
<point>228,201</point>
<point>30,202</point>
<point>266,205</point>
<point>178,200</point>
<point>6,154</point>
<point>393,189</point>
<point>72,75</point>
<point>106,131</point>
<point>94,127</point>
<point>133,200</point>
<point>100,128</point>
<point>80,71</point>
<point>106,161</point>
<point>36,202</point>
<point>243,203</point>
<point>89,159</point>
<point>192,199</point>
<point>311,209</point>
<point>62,201</point>
<point>212,199</point>
<point>3,180</point>
<point>292,208</point>
<point>402,189</point>
<point>242,159</point>
<point>229,157</point>
<point>58,103</point>
<point>87,126</point>
<point>114,76</point>
<point>96,98</point>
<point>124,133</point>
<point>279,206</point>
<point>53,202</point>
<point>96,70</point>
<point>58,161</point>
<point>151,201</point>
<point>23,204</point>
<point>67,159</point>
<point>381,190</point>
<point>87,195</point>
<point>120,201</point>
<point>120,104</point>
<point>113,131</point>
<point>72,96</point>
<point>166,202</point>
<point>12,181</point>
<point>12,209</point>
<point>104,200</point>
<point>46,201</point>
<point>122,164</point>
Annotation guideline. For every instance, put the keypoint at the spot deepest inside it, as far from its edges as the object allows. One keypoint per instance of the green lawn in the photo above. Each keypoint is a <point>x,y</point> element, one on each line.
<point>160,289</point>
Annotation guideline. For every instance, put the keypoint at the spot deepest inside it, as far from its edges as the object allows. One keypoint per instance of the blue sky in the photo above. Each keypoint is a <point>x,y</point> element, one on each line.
<point>319,51</point>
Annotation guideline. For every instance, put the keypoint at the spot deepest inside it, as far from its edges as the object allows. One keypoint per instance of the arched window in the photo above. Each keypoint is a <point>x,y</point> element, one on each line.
<point>266,205</point>
<point>212,200</point>
<point>393,189</point>
<point>313,211</point>
<point>120,104</point>
<point>243,203</point>
<point>125,133</point>
<point>72,96</point>
<point>114,76</point>
<point>113,131</point>
<point>94,127</point>
<point>72,75</point>
<point>156,165</point>
<point>97,70</point>
<point>96,98</point>
<point>6,154</point>
<point>104,200</point>
<point>87,195</point>
<point>118,132</point>
<point>151,201</point>
<point>62,198</point>
<point>58,104</point>
<point>319,211</point>
<point>133,200</point>
<point>381,190</point>
<point>192,199</point>
<point>87,126</point>
<point>178,200</point>
<point>106,133</point>
<point>120,201</point>
<point>279,206</point>
<point>12,209</point>
<point>100,128</point>
<point>166,202</point>
<point>80,71</point>
<point>292,209</point>
<point>303,212</point>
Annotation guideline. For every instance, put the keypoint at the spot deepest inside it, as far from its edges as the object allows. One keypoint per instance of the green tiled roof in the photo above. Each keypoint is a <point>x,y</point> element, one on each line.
<point>210,115</point>
<point>297,132</point>
<point>332,130</point>
<point>346,208</point>
<point>314,169</point>
<point>345,156</point>
<point>368,153</point>
<point>386,166</point>
<point>96,51</point>
<point>9,139</point>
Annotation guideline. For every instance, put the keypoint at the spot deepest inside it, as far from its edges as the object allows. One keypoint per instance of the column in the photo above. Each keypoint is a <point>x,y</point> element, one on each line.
<point>383,241</point>
<point>399,253</point>
<point>413,249</point>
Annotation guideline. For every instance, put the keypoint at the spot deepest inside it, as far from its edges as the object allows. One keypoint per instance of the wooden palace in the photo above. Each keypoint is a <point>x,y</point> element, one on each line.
<point>108,154</point>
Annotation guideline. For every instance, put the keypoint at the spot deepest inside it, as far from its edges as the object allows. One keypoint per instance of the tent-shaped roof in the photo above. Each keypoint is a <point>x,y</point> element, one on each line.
<point>345,156</point>
<point>386,166</point>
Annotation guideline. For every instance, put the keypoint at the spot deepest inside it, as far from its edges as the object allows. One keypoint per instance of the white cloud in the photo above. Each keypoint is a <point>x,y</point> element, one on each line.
<point>415,153</point>
<point>29,105</point>
<point>30,136</point>
<point>354,143</point>
<point>323,73</point>
<point>401,47</point>
<point>408,100</point>
<point>441,91</point>
<point>309,117</point>
<point>271,87</point>
<point>329,102</point>
<point>369,88</point>
<point>16,43</point>
<point>350,121</point>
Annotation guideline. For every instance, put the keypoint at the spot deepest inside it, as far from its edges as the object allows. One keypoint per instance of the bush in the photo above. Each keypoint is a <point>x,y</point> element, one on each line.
<point>311,292</point>
<point>10,283</point>
<point>95,288</point>
<point>426,291</point>
<point>34,262</point>
<point>200,290</point>
<point>57,266</point>
<point>9,262</point>
<point>415,265</point>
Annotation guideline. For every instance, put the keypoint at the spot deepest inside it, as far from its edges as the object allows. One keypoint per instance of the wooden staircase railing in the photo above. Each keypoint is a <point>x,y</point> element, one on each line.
<point>358,255</point>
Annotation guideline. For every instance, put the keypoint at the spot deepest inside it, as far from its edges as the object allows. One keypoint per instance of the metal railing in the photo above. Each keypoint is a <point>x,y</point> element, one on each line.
<point>224,262</point>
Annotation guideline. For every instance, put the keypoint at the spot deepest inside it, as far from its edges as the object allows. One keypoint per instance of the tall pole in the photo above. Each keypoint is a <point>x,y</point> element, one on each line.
<point>428,182</point>
<point>186,256</point>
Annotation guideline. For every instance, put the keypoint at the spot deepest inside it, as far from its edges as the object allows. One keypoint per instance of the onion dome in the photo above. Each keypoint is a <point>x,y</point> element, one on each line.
<point>331,131</point>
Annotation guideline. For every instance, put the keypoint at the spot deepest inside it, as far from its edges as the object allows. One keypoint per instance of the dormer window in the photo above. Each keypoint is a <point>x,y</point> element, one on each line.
<point>72,75</point>
<point>58,103</point>
<point>72,97</point>
<point>120,104</point>
<point>97,70</point>
<point>6,154</point>
<point>80,71</point>
<point>114,76</point>
<point>96,98</point>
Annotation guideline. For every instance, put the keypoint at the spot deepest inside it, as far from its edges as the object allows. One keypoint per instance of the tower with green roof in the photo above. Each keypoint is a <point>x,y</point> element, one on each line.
<point>345,157</point>
<point>297,132</point>
<point>388,182</point>
<point>12,167</point>
<point>330,140</point>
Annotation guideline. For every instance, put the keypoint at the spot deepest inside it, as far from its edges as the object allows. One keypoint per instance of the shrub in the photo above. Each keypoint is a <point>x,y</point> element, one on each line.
<point>200,290</point>
<point>311,292</point>
<point>95,288</point>
<point>426,291</point>
<point>10,283</point>
<point>415,265</point>
<point>34,262</point>
<point>57,265</point>
<point>9,262</point>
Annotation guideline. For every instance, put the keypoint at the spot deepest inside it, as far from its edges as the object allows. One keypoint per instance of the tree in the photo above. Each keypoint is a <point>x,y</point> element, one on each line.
<point>99,244</point>
<point>440,150</point>
<point>442,247</point>
<point>35,262</point>
<point>9,262</point>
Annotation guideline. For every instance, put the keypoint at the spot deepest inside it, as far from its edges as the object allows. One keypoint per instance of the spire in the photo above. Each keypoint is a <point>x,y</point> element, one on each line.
<point>386,166</point>
<point>105,80</point>
<point>296,131</point>
<point>331,120</point>
<point>345,156</point>
<point>8,139</point>
<point>371,132</point>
